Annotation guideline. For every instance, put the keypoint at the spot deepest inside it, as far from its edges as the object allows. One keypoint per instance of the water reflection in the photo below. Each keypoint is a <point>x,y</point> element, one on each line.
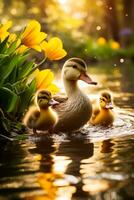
<point>106,146</point>
<point>17,168</point>
<point>52,178</point>
<point>72,169</point>
<point>82,149</point>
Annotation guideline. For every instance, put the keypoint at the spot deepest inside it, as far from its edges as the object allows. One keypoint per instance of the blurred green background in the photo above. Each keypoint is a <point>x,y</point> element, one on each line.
<point>79,24</point>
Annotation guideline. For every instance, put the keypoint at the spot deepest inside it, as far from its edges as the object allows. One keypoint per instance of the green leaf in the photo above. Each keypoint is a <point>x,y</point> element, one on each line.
<point>3,56</point>
<point>12,47</point>
<point>8,85</point>
<point>26,96</point>
<point>8,67</point>
<point>3,45</point>
<point>8,100</point>
<point>25,70</point>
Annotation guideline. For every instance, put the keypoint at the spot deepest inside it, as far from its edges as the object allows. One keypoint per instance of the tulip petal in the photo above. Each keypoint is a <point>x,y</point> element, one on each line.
<point>12,37</point>
<point>21,49</point>
<point>44,78</point>
<point>3,30</point>
<point>47,80</point>
<point>44,45</point>
<point>32,37</point>
<point>53,88</point>
<point>55,43</point>
<point>59,54</point>
<point>7,25</point>
<point>36,47</point>
<point>53,49</point>
<point>32,25</point>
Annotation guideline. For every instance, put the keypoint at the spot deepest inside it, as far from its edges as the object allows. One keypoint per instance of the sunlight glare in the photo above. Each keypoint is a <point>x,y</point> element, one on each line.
<point>60,164</point>
<point>62,1</point>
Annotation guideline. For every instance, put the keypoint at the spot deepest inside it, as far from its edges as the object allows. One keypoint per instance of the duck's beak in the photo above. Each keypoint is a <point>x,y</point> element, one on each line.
<point>52,102</point>
<point>109,106</point>
<point>84,77</point>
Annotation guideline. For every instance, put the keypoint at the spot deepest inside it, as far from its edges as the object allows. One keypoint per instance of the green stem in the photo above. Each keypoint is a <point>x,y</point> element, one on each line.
<point>42,61</point>
<point>37,65</point>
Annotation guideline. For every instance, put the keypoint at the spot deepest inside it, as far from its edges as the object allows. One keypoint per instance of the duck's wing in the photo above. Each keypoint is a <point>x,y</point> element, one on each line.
<point>31,116</point>
<point>95,113</point>
<point>60,99</point>
<point>61,107</point>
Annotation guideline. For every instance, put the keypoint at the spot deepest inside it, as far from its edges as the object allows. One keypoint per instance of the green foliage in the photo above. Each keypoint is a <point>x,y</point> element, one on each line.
<point>88,48</point>
<point>15,91</point>
<point>100,52</point>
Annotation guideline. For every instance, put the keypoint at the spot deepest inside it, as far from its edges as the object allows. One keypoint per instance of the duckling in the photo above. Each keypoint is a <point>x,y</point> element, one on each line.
<point>103,115</point>
<point>75,109</point>
<point>41,117</point>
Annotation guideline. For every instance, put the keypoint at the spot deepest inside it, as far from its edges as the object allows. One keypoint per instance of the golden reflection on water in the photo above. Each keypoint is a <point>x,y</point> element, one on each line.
<point>67,169</point>
<point>55,184</point>
<point>90,184</point>
<point>95,186</point>
<point>95,165</point>
<point>60,164</point>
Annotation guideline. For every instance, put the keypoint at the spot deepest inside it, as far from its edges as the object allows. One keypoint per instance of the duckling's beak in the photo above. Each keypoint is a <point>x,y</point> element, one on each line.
<point>109,106</point>
<point>84,77</point>
<point>52,102</point>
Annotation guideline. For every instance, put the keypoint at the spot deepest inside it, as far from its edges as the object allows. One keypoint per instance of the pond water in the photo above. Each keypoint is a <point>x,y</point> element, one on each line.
<point>93,163</point>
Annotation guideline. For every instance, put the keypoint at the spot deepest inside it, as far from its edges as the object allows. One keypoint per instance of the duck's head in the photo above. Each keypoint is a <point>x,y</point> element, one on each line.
<point>106,100</point>
<point>76,69</point>
<point>44,99</point>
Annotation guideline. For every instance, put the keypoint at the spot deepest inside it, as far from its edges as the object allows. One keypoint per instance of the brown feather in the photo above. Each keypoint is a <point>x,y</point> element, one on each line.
<point>60,99</point>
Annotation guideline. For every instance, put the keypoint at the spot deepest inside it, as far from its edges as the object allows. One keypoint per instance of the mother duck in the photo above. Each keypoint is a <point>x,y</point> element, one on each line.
<point>75,110</point>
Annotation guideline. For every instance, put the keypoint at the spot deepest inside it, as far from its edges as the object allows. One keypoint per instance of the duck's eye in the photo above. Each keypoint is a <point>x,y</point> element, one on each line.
<point>75,66</point>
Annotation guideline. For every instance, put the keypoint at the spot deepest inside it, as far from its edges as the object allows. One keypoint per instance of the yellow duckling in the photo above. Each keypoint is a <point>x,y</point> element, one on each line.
<point>41,117</point>
<point>103,115</point>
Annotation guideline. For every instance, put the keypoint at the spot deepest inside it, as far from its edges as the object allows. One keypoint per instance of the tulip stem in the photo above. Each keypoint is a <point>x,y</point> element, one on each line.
<point>42,62</point>
<point>37,65</point>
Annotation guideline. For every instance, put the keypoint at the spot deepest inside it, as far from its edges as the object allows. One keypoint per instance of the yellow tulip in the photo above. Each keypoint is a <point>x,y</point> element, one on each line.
<point>114,45</point>
<point>21,49</point>
<point>3,30</point>
<point>44,80</point>
<point>101,41</point>
<point>12,37</point>
<point>32,37</point>
<point>53,49</point>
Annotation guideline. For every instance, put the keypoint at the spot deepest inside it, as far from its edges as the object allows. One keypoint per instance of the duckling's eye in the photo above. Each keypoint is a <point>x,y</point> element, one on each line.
<point>102,100</point>
<point>42,97</point>
<point>75,66</point>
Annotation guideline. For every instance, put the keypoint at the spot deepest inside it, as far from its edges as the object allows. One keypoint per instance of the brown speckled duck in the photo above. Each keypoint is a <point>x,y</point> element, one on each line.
<point>41,117</point>
<point>75,110</point>
<point>104,114</point>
